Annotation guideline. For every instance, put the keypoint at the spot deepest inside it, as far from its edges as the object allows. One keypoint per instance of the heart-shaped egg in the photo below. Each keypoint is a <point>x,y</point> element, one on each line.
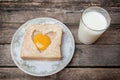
<point>41,41</point>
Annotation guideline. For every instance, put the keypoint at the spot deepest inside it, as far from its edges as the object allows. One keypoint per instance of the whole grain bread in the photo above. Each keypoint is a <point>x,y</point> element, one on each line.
<point>30,51</point>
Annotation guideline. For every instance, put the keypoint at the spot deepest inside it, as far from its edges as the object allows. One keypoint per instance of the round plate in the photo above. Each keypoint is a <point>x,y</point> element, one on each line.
<point>37,67</point>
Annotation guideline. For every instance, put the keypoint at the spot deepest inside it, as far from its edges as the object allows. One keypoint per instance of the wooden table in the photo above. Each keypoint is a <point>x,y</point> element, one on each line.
<point>99,61</point>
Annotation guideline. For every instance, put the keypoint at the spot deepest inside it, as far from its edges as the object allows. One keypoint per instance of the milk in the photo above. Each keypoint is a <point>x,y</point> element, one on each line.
<point>92,25</point>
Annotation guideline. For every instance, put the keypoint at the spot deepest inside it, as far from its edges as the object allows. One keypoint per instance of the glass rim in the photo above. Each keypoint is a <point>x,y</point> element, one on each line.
<point>108,23</point>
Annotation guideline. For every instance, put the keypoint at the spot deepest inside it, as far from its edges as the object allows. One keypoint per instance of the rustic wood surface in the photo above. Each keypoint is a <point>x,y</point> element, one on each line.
<point>68,73</point>
<point>99,61</point>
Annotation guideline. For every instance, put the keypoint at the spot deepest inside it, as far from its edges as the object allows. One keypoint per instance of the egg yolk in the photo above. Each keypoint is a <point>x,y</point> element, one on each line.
<point>41,41</point>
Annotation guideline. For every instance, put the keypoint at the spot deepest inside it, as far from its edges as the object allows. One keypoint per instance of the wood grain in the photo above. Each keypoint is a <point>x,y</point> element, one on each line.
<point>111,6</point>
<point>111,36</point>
<point>69,12</point>
<point>67,73</point>
<point>65,16</point>
<point>47,0</point>
<point>5,56</point>
<point>57,1</point>
<point>16,74</point>
<point>85,55</point>
<point>60,0</point>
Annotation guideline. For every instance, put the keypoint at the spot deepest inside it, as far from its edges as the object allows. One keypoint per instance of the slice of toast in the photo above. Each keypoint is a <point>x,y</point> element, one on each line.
<point>53,51</point>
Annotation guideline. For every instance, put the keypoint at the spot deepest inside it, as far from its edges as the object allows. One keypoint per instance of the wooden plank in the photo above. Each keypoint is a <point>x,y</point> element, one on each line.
<point>50,1</point>
<point>111,36</point>
<point>89,74</point>
<point>16,74</point>
<point>5,56</point>
<point>74,5</point>
<point>21,12</point>
<point>85,55</point>
<point>65,16</point>
<point>7,31</point>
<point>96,55</point>
<point>23,16</point>
<point>47,0</point>
<point>67,73</point>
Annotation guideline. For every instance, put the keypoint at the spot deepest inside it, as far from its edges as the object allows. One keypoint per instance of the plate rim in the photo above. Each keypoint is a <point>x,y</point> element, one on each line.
<point>57,70</point>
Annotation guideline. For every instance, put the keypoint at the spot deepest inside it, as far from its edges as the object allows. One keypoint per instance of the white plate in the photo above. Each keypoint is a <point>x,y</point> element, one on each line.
<point>37,67</point>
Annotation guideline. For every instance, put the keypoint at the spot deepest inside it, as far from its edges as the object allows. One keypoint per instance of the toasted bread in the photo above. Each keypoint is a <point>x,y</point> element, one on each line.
<point>53,51</point>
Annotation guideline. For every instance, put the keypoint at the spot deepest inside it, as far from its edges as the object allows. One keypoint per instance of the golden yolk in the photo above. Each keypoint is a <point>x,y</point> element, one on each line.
<point>41,41</point>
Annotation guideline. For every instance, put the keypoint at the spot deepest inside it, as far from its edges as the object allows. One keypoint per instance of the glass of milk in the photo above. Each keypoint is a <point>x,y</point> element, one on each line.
<point>93,23</point>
